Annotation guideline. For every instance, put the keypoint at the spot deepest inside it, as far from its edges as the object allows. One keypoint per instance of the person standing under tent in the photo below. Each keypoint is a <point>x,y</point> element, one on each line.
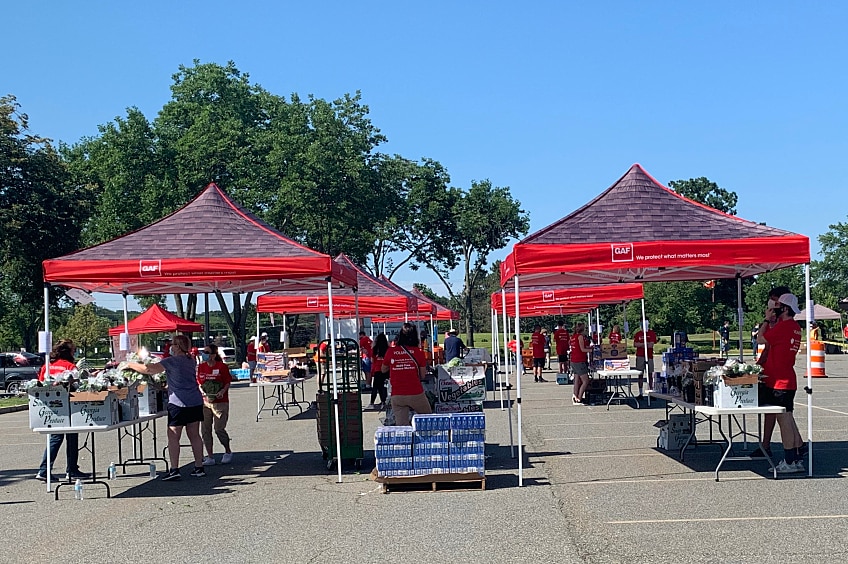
<point>640,339</point>
<point>406,366</point>
<point>185,404</point>
<point>216,409</point>
<point>537,344</point>
<point>381,346</point>
<point>615,335</point>
<point>561,340</point>
<point>547,349</point>
<point>815,331</point>
<point>252,351</point>
<point>580,349</point>
<point>166,348</point>
<point>781,383</point>
<point>770,419</point>
<point>454,347</point>
<point>754,332</point>
<point>365,344</point>
<point>724,335</point>
<point>61,360</point>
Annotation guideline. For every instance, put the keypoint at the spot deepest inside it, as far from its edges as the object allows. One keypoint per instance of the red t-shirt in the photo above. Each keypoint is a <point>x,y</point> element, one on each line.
<point>783,340</point>
<point>403,372</point>
<point>537,342</point>
<point>56,368</point>
<point>219,372</point>
<point>639,342</point>
<point>614,338</point>
<point>365,344</point>
<point>561,338</point>
<point>577,354</point>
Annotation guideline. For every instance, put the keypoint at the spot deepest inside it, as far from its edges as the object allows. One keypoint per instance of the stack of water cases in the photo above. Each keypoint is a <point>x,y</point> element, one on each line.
<point>468,443</point>
<point>393,451</point>
<point>431,443</point>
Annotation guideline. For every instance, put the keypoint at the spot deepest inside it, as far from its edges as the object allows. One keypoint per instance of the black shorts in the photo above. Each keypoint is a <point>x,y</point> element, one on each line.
<point>782,398</point>
<point>182,416</point>
<point>539,362</point>
<point>563,358</point>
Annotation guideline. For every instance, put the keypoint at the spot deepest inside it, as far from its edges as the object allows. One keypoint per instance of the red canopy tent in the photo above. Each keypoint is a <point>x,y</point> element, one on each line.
<point>157,320</point>
<point>443,313</point>
<point>211,244</point>
<point>565,299</point>
<point>638,231</point>
<point>372,297</point>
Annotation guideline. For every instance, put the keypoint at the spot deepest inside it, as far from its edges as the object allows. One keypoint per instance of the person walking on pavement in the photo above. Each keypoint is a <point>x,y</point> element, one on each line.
<point>537,343</point>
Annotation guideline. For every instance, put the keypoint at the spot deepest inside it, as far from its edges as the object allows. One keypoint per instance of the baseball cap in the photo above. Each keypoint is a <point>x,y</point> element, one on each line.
<point>791,301</point>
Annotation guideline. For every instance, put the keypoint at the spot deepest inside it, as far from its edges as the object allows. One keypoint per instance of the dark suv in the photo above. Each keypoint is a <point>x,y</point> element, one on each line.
<point>17,368</point>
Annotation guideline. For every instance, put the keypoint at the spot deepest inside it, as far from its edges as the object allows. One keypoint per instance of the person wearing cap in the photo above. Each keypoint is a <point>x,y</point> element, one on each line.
<point>537,345</point>
<point>780,383</point>
<point>454,347</point>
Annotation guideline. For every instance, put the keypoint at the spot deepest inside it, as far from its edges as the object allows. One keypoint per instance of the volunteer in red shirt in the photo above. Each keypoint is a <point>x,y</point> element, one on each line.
<point>61,360</point>
<point>780,383</point>
<point>252,350</point>
<point>406,366</point>
<point>365,352</point>
<point>561,339</point>
<point>537,343</point>
<point>216,409</point>
<point>615,335</point>
<point>639,340</point>
<point>580,350</point>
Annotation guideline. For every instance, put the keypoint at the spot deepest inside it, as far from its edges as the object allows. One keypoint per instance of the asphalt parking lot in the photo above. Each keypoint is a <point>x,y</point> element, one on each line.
<point>596,489</point>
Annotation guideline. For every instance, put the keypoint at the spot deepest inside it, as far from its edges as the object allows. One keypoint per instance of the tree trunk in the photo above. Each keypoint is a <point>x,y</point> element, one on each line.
<point>469,314</point>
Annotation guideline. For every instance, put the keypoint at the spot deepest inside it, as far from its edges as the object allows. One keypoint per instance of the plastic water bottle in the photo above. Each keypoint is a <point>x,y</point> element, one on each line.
<point>113,471</point>
<point>78,489</point>
<point>152,469</point>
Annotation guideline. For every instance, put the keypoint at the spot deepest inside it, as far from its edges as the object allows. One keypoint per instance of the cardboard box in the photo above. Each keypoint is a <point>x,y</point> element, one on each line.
<point>618,350</point>
<point>621,364</point>
<point>461,383</point>
<point>94,409</point>
<point>680,422</point>
<point>671,440</point>
<point>477,356</point>
<point>737,392</point>
<point>49,406</point>
<point>149,399</point>
<point>128,404</point>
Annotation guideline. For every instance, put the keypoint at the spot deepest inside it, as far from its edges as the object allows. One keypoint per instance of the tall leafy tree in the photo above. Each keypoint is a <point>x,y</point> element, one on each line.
<point>831,272</point>
<point>486,218</point>
<point>706,192</point>
<point>85,328</point>
<point>41,217</point>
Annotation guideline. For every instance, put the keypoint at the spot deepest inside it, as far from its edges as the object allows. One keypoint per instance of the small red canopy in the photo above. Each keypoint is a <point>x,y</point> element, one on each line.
<point>374,297</point>
<point>564,300</point>
<point>639,230</point>
<point>209,244</point>
<point>157,320</point>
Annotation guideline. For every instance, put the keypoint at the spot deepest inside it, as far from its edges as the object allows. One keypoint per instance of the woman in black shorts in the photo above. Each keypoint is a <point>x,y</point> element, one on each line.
<point>185,404</point>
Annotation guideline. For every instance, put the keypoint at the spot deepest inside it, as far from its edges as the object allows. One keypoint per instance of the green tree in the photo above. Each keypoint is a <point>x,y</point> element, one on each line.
<point>831,272</point>
<point>486,218</point>
<point>85,328</point>
<point>41,216</point>
<point>706,192</point>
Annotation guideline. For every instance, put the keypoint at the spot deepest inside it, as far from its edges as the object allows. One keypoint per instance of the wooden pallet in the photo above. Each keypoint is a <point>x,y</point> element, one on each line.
<point>430,482</point>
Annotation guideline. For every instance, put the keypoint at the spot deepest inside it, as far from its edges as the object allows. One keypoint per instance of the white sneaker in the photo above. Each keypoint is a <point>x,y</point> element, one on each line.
<point>208,461</point>
<point>227,458</point>
<point>370,407</point>
<point>799,464</point>
<point>784,468</point>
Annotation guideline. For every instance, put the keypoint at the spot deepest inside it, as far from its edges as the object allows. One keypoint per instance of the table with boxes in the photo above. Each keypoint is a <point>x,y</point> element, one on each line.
<point>732,403</point>
<point>54,410</point>
<point>436,448</point>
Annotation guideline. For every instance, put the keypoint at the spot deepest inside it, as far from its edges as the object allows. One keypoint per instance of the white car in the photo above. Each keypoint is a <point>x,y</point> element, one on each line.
<point>227,354</point>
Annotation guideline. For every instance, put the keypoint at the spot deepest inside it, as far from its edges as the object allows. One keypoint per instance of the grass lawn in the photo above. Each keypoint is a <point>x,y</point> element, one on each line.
<point>8,402</point>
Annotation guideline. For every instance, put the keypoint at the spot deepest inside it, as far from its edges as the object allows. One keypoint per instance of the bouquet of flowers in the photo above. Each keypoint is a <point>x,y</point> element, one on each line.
<point>211,388</point>
<point>97,383</point>
<point>731,369</point>
<point>66,378</point>
<point>140,358</point>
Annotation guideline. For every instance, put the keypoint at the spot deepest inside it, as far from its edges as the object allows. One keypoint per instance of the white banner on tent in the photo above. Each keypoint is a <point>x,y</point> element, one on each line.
<point>342,328</point>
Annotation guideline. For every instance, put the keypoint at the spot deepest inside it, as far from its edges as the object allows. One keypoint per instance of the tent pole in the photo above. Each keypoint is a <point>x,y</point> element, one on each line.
<point>739,315</point>
<point>518,370</point>
<point>495,351</point>
<point>646,375</point>
<point>48,345</point>
<point>506,373</point>
<point>432,340</point>
<point>809,388</point>
<point>335,382</point>
<point>257,327</point>
<point>205,318</point>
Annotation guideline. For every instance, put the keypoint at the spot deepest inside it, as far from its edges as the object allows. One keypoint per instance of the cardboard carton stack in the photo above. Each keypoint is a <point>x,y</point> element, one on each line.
<point>674,433</point>
<point>49,406</point>
<point>94,409</point>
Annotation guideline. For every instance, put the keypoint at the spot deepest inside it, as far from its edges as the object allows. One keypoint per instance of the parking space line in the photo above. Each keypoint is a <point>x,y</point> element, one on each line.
<point>729,519</point>
<point>602,437</point>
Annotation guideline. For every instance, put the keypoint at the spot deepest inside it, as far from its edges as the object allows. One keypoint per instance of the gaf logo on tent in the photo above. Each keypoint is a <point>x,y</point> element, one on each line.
<point>311,302</point>
<point>150,267</point>
<point>547,296</point>
<point>622,252</point>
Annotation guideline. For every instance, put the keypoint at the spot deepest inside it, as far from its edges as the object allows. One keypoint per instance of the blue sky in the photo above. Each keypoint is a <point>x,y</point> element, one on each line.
<point>554,99</point>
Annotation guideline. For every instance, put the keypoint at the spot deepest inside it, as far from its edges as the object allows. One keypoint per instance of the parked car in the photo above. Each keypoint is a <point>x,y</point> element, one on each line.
<point>16,368</point>
<point>228,355</point>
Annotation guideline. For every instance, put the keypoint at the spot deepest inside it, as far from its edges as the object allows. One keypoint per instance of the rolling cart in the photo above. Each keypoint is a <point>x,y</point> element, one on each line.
<point>349,398</point>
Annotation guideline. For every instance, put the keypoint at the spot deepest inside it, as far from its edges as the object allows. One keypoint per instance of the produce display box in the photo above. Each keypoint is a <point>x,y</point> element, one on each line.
<point>49,406</point>
<point>461,383</point>
<point>742,391</point>
<point>94,409</point>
